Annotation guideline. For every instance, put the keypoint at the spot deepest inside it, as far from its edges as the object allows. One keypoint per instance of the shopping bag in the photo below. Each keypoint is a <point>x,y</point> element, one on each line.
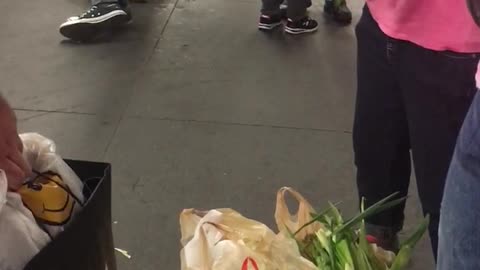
<point>223,239</point>
<point>290,223</point>
<point>87,242</point>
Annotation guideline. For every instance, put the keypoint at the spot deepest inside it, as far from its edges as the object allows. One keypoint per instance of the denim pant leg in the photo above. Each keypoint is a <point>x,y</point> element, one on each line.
<point>123,3</point>
<point>296,9</point>
<point>271,7</point>
<point>459,233</point>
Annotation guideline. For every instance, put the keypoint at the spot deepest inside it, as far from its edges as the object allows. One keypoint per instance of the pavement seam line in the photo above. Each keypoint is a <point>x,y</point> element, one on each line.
<point>139,73</point>
<point>165,26</point>
<point>326,130</point>
<point>52,111</point>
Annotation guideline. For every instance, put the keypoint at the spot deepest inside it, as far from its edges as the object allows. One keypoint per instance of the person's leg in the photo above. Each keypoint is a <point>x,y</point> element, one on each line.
<point>96,2</point>
<point>380,133</point>
<point>285,3</point>
<point>298,20</point>
<point>438,89</point>
<point>271,7</point>
<point>297,9</point>
<point>338,10</point>
<point>271,15</point>
<point>123,3</point>
<point>459,237</point>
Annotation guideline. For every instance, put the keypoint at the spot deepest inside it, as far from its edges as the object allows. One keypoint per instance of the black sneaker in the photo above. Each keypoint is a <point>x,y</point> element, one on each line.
<point>269,22</point>
<point>338,10</point>
<point>305,25</point>
<point>95,21</point>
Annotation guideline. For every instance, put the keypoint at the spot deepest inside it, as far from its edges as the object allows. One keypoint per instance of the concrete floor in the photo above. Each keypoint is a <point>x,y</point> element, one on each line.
<point>194,108</point>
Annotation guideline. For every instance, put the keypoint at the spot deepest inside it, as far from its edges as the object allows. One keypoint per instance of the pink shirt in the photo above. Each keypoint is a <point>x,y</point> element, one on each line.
<point>433,24</point>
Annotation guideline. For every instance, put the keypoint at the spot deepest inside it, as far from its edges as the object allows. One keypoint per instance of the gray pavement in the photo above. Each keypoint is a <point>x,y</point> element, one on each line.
<point>194,108</point>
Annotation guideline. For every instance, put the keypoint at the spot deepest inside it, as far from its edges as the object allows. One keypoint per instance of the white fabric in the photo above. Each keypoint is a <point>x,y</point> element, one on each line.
<point>477,76</point>
<point>20,236</point>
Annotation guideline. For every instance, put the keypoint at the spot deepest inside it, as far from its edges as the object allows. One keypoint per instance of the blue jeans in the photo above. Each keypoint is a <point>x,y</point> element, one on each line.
<point>459,233</point>
<point>123,3</point>
<point>296,9</point>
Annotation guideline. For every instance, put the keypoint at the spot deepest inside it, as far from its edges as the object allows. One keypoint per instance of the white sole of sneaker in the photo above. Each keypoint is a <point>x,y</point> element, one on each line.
<point>263,26</point>
<point>99,19</point>
<point>87,30</point>
<point>298,31</point>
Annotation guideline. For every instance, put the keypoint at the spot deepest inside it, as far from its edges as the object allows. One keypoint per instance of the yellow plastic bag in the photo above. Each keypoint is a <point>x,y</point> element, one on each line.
<point>222,239</point>
<point>286,222</point>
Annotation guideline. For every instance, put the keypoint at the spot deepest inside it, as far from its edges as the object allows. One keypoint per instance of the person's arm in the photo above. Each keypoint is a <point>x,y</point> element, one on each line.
<point>11,147</point>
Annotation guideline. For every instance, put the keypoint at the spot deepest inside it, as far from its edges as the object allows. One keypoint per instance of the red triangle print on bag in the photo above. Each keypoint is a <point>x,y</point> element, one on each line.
<point>249,261</point>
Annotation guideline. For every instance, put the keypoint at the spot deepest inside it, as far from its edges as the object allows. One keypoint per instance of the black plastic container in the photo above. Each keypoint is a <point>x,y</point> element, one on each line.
<point>87,242</point>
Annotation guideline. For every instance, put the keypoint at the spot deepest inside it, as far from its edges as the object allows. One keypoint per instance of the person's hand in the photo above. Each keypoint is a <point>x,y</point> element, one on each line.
<point>11,147</point>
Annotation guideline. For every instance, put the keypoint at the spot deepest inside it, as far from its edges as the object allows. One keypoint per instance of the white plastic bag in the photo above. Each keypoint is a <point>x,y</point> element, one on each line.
<point>40,153</point>
<point>20,236</point>
<point>223,239</point>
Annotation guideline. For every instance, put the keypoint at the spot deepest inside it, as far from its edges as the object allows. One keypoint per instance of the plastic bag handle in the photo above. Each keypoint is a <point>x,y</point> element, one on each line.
<point>247,261</point>
<point>286,221</point>
<point>281,199</point>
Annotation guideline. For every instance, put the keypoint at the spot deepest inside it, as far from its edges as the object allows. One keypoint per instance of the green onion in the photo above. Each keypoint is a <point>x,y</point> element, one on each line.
<point>342,245</point>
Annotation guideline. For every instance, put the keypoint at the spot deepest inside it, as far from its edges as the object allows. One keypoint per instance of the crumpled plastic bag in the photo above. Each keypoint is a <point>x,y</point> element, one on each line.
<point>40,153</point>
<point>20,236</point>
<point>286,222</point>
<point>223,239</point>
